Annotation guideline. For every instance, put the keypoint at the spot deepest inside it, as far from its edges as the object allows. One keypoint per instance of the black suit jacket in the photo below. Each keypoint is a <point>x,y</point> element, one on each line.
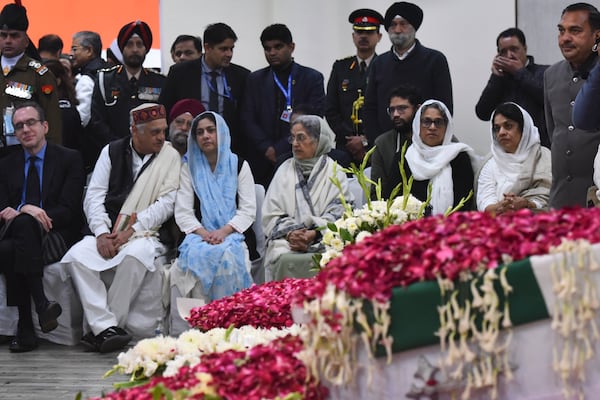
<point>62,187</point>
<point>184,81</point>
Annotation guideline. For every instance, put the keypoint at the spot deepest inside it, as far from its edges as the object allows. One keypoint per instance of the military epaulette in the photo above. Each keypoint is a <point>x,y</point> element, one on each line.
<point>112,68</point>
<point>38,67</point>
<point>345,59</point>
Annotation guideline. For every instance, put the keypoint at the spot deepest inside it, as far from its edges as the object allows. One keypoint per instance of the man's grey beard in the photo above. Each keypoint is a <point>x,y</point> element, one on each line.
<point>402,40</point>
<point>179,141</point>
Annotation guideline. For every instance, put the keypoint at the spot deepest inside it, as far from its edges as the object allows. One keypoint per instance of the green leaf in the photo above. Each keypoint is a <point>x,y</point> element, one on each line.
<point>345,235</point>
<point>332,227</point>
<point>228,332</point>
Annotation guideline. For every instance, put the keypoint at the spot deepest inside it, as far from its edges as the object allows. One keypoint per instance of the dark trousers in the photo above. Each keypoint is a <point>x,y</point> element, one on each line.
<point>21,259</point>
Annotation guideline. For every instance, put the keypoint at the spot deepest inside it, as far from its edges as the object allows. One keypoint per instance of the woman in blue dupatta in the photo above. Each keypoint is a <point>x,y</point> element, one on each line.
<point>215,204</point>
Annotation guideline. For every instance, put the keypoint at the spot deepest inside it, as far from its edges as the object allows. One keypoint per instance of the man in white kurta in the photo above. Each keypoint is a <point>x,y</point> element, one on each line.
<point>130,195</point>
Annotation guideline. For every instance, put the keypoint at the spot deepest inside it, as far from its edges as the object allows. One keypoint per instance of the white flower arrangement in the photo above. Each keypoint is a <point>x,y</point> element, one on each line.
<point>361,223</point>
<point>164,355</point>
<point>357,224</point>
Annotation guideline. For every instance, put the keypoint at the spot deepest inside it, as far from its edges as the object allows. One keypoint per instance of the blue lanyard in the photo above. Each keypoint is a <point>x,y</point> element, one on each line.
<point>227,92</point>
<point>287,93</point>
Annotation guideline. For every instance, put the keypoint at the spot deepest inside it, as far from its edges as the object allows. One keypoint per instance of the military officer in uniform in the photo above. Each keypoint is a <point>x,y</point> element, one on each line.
<point>348,77</point>
<point>121,88</point>
<point>23,78</point>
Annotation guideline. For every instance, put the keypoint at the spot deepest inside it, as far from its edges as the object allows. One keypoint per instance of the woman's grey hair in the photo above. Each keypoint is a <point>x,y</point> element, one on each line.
<point>438,107</point>
<point>311,123</point>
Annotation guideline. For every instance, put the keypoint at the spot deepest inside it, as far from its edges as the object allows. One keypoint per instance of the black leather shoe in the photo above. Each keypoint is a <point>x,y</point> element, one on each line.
<point>90,342</point>
<point>23,343</point>
<point>4,339</point>
<point>111,339</point>
<point>48,316</point>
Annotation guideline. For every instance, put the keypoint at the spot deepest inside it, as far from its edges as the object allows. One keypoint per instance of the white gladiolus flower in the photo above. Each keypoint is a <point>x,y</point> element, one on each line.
<point>362,235</point>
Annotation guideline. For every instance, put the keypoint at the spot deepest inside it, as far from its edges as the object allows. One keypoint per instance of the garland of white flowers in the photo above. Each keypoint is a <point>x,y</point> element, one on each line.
<point>576,308</point>
<point>482,353</point>
<point>330,333</point>
<point>165,355</point>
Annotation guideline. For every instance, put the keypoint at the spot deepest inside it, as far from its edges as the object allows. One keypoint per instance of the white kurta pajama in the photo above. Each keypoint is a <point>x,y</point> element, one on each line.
<point>155,191</point>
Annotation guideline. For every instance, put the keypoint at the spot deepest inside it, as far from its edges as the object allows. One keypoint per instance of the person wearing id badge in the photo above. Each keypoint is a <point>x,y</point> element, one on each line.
<point>23,78</point>
<point>271,94</point>
<point>213,80</point>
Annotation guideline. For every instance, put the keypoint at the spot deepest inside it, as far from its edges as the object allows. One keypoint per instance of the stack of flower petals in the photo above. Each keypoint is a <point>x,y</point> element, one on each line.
<point>423,249</point>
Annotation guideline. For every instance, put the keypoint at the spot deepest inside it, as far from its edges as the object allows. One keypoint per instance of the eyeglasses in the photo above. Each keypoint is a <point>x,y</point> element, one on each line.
<point>30,122</point>
<point>76,48</point>
<point>439,122</point>
<point>400,109</point>
<point>300,138</point>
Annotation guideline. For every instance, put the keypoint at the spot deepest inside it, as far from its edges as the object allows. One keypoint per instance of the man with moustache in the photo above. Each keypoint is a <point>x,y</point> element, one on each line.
<point>121,88</point>
<point>180,122</point>
<point>130,196</point>
<point>214,80</point>
<point>271,94</point>
<point>403,104</point>
<point>573,149</point>
<point>348,81</point>
<point>24,78</point>
<point>408,61</point>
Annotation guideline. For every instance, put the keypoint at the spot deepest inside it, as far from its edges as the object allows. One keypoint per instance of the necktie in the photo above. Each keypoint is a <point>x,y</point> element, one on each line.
<point>213,98</point>
<point>363,67</point>
<point>32,193</point>
<point>133,87</point>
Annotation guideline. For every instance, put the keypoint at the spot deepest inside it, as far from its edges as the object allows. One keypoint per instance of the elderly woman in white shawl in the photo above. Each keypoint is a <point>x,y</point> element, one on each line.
<point>518,174</point>
<point>434,158</point>
<point>300,199</point>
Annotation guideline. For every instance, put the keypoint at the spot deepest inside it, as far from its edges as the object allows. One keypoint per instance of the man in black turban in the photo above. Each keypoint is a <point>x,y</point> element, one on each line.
<point>23,77</point>
<point>407,62</point>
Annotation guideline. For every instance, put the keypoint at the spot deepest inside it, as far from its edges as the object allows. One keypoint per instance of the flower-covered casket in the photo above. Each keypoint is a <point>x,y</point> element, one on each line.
<point>468,306</point>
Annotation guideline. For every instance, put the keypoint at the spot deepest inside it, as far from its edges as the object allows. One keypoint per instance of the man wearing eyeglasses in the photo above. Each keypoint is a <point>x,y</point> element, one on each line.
<point>85,56</point>
<point>41,188</point>
<point>23,78</point>
<point>403,104</point>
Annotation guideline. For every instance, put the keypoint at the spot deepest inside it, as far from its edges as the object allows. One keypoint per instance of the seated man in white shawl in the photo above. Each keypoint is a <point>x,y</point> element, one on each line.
<point>129,197</point>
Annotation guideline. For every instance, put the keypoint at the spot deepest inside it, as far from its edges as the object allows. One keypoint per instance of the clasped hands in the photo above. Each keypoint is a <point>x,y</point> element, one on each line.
<point>512,202</point>
<point>108,243</point>
<point>36,212</point>
<point>215,237</point>
<point>301,239</point>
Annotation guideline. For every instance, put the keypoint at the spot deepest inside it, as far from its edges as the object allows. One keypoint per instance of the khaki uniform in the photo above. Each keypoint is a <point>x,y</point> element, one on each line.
<point>29,80</point>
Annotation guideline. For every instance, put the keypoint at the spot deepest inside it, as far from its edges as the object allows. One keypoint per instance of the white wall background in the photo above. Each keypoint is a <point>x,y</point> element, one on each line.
<point>464,30</point>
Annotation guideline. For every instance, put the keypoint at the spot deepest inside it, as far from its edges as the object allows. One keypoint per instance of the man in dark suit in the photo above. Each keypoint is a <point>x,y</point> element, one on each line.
<point>41,188</point>
<point>214,80</point>
<point>348,82</point>
<point>271,94</point>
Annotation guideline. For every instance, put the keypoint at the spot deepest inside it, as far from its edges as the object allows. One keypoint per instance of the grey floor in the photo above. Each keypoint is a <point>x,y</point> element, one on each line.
<point>55,372</point>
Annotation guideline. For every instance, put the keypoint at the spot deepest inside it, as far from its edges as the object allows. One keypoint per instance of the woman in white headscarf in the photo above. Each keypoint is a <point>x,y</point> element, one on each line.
<point>301,198</point>
<point>434,158</point>
<point>518,174</point>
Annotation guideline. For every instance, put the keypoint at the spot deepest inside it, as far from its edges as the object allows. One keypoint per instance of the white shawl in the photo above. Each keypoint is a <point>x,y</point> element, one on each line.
<point>433,163</point>
<point>158,179</point>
